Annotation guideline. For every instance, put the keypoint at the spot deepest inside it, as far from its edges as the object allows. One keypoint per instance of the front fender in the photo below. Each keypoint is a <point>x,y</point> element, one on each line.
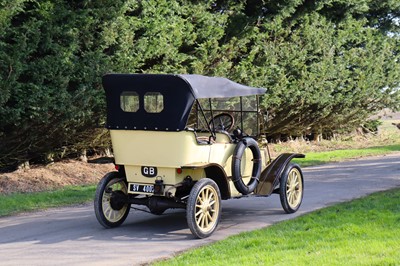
<point>269,178</point>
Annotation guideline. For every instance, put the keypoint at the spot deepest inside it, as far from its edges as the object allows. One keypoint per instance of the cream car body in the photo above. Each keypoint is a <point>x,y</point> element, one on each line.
<point>188,141</point>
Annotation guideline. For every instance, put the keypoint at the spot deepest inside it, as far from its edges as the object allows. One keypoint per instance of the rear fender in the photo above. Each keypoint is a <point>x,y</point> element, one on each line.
<point>269,178</point>
<point>216,173</point>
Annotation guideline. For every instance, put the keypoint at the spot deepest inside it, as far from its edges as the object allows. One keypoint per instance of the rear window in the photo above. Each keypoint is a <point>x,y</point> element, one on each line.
<point>153,102</point>
<point>129,101</point>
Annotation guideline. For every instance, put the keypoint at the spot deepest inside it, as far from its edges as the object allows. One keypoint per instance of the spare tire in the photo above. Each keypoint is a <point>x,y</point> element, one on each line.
<point>236,166</point>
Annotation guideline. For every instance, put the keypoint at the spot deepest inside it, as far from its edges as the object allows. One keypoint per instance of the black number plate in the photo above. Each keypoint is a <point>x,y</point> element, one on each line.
<point>141,188</point>
<point>149,171</point>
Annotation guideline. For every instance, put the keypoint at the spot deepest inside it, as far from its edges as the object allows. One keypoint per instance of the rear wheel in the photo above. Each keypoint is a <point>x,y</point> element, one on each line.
<point>203,209</point>
<point>291,188</point>
<point>109,206</point>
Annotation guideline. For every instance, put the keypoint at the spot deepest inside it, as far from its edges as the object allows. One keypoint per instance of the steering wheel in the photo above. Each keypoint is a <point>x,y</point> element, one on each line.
<point>222,121</point>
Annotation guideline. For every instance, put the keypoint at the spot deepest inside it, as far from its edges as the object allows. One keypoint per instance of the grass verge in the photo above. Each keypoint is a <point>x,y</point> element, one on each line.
<point>316,158</point>
<point>20,202</point>
<point>365,231</point>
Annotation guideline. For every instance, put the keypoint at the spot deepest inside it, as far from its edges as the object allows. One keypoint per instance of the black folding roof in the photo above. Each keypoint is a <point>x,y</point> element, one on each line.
<point>179,93</point>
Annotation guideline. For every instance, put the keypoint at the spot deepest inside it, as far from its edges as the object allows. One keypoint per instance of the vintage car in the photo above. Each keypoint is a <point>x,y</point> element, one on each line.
<point>188,141</point>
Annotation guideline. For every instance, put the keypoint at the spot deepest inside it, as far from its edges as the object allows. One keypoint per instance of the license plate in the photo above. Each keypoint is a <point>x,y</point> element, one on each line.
<point>141,188</point>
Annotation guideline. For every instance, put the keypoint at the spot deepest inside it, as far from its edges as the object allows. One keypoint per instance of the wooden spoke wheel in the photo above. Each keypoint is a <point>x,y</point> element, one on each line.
<point>203,209</point>
<point>291,188</point>
<point>109,206</point>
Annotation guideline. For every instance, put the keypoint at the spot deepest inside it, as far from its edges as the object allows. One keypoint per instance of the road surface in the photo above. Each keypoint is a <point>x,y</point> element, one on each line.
<point>72,235</point>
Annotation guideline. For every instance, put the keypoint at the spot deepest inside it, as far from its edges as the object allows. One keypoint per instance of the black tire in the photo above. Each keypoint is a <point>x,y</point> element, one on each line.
<point>236,166</point>
<point>203,210</point>
<point>291,188</point>
<point>109,211</point>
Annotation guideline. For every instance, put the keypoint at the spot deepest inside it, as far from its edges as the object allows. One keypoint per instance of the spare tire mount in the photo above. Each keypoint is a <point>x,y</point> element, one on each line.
<point>236,165</point>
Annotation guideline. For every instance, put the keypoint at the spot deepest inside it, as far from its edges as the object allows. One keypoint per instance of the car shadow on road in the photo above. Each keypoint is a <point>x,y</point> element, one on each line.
<point>80,224</point>
<point>54,226</point>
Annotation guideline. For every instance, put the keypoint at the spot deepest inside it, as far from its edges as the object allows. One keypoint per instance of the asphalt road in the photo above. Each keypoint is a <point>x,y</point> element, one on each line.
<point>72,236</point>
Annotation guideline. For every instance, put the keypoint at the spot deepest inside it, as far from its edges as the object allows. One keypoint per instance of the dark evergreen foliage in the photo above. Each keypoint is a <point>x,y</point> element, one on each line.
<point>327,65</point>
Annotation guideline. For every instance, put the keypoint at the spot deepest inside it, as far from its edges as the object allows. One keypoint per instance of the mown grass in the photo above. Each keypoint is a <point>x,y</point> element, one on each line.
<point>361,232</point>
<point>316,158</point>
<point>20,202</point>
<point>388,135</point>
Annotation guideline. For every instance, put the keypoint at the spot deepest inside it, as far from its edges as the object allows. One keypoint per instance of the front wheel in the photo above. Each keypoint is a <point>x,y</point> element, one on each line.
<point>109,206</point>
<point>291,188</point>
<point>203,209</point>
